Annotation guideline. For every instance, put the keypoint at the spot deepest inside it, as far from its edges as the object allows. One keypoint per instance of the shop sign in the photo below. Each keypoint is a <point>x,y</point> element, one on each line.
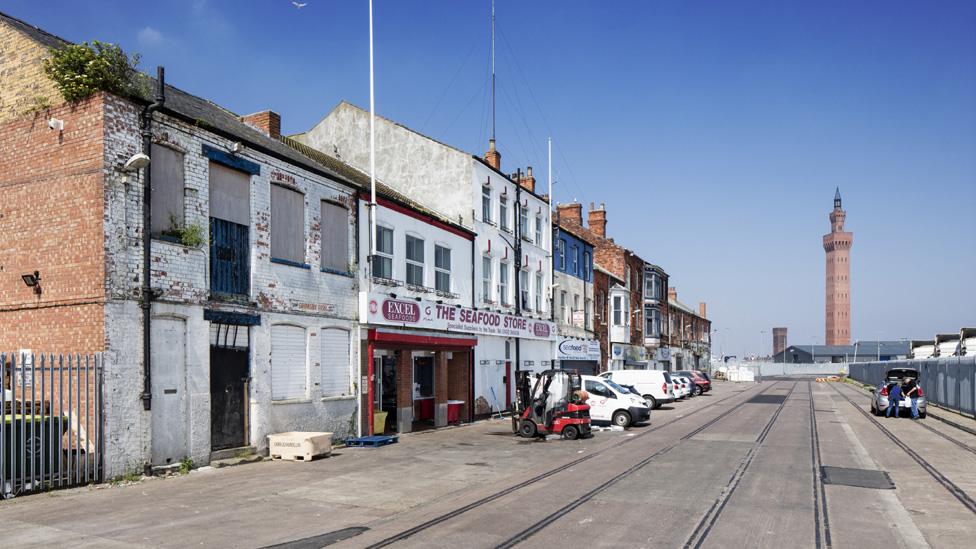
<point>380,308</point>
<point>575,349</point>
<point>634,353</point>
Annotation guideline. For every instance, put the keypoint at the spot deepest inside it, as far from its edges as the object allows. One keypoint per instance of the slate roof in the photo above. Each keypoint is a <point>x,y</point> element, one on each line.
<point>862,348</point>
<point>35,33</point>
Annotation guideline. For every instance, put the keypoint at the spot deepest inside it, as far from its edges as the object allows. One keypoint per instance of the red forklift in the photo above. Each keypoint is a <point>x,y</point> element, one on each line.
<point>554,404</point>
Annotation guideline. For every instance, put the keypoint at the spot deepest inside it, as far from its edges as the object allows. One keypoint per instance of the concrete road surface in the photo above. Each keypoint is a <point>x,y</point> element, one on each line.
<point>783,463</point>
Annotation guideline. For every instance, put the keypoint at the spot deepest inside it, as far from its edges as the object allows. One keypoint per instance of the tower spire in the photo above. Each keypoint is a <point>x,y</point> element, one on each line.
<point>837,201</point>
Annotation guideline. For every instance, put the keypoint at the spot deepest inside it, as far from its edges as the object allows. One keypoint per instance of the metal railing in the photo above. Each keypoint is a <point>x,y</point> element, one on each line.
<point>949,382</point>
<point>51,430</point>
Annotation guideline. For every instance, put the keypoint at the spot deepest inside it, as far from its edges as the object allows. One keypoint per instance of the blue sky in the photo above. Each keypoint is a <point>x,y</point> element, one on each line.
<point>715,132</point>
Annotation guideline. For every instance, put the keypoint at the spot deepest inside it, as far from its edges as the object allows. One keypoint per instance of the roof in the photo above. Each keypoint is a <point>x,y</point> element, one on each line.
<point>598,268</point>
<point>362,180</point>
<point>571,229</point>
<point>36,33</point>
<point>866,348</point>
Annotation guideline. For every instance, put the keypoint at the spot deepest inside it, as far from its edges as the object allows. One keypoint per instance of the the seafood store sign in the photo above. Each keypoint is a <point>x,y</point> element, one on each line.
<point>384,309</point>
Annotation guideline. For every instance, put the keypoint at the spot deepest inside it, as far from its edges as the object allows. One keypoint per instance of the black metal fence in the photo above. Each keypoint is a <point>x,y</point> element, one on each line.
<point>51,432</point>
<point>948,382</point>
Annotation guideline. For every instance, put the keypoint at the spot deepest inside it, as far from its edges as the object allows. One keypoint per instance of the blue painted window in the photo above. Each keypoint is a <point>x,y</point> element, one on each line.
<point>229,250</point>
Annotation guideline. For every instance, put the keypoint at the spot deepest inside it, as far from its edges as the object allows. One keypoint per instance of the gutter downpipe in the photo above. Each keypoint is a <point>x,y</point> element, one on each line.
<point>147,295</point>
<point>518,264</point>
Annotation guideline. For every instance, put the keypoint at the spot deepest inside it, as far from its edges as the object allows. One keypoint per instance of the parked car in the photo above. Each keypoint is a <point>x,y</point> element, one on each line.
<point>683,389</point>
<point>879,394</point>
<point>612,403</point>
<point>700,384</point>
<point>652,384</point>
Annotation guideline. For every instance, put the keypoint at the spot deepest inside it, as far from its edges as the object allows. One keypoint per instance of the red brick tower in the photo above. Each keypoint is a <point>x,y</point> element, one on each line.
<point>837,244</point>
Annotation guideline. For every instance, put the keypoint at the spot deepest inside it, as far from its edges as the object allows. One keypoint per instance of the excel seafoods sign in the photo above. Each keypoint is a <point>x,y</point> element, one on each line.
<point>382,309</point>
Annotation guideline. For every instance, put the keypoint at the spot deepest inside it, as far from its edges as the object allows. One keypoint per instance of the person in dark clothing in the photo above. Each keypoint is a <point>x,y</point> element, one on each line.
<point>894,399</point>
<point>910,389</point>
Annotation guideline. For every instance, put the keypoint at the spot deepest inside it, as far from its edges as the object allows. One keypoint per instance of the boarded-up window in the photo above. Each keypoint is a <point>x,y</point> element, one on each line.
<point>167,190</point>
<point>335,362</point>
<point>288,377</point>
<point>230,194</point>
<point>335,237</point>
<point>287,224</point>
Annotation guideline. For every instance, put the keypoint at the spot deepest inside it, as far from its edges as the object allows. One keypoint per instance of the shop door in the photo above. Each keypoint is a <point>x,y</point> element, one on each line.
<point>228,397</point>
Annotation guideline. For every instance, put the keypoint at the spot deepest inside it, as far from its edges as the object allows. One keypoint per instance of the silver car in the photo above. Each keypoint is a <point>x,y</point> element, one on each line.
<point>879,394</point>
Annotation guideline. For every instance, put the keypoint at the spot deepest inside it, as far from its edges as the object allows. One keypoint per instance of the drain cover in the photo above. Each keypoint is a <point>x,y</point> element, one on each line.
<point>861,478</point>
<point>767,399</point>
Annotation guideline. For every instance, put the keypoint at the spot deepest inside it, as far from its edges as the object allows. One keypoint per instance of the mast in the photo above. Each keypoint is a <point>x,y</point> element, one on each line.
<point>372,149</point>
<point>492,70</point>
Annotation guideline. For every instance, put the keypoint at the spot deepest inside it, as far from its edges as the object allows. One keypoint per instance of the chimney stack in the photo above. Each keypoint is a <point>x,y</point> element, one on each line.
<point>672,293</point>
<point>571,213</point>
<point>266,122</point>
<point>528,181</point>
<point>493,157</point>
<point>598,220</point>
<point>701,309</point>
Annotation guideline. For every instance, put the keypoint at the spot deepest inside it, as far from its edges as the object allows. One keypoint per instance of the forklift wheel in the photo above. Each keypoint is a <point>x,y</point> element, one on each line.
<point>527,428</point>
<point>571,432</point>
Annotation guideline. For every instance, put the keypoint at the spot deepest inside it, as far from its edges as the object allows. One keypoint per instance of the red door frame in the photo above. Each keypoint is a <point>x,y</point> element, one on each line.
<point>508,385</point>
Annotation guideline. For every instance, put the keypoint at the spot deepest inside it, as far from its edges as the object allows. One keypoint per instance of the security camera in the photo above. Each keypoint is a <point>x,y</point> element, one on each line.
<point>236,147</point>
<point>56,124</point>
<point>137,162</point>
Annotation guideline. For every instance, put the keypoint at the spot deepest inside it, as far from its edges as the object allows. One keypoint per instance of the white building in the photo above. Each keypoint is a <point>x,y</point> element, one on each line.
<point>472,191</point>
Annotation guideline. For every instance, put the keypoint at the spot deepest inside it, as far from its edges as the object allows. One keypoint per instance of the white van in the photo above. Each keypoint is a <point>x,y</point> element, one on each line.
<point>612,403</point>
<point>654,385</point>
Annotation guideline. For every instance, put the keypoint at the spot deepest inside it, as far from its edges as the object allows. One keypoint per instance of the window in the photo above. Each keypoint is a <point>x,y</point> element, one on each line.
<point>538,291</point>
<point>287,224</point>
<point>486,279</point>
<point>524,289</point>
<point>334,361</point>
<point>288,372</point>
<point>486,204</point>
<point>524,231</point>
<point>602,304</point>
<point>503,283</point>
<point>562,307</point>
<point>538,230</point>
<point>561,253</point>
<point>617,312</point>
<point>576,307</point>
<point>415,261</point>
<point>598,389</point>
<point>652,321</point>
<point>383,260</point>
<point>167,191</point>
<point>587,308</point>
<point>442,269</point>
<point>627,277</point>
<point>587,267</point>
<point>334,237</point>
<point>574,257</point>
<point>503,212</point>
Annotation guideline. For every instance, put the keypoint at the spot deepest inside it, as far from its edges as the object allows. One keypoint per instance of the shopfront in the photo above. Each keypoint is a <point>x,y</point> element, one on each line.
<point>582,355</point>
<point>422,359</point>
<point>628,357</point>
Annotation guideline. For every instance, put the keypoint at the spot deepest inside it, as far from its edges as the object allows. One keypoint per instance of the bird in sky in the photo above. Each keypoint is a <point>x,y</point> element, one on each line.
<point>299,6</point>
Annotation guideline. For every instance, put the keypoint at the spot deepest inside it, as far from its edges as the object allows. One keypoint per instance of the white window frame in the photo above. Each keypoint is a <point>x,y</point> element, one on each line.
<point>617,313</point>
<point>576,260</point>
<point>587,315</point>
<point>383,256</point>
<point>538,291</point>
<point>562,307</point>
<point>523,222</point>
<point>486,204</point>
<point>524,290</point>
<point>538,230</point>
<point>413,262</point>
<point>438,270</point>
<point>503,213</point>
<point>503,283</point>
<point>486,288</point>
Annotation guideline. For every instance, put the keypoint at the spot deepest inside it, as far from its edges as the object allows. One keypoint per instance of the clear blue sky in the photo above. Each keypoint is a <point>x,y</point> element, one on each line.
<point>715,132</point>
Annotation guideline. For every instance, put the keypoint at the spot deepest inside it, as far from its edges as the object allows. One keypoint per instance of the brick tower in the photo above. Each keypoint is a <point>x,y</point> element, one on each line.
<point>837,244</point>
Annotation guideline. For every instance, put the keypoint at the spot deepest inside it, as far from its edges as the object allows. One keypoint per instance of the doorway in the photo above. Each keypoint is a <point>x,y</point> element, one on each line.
<point>228,397</point>
<point>423,391</point>
<point>384,394</point>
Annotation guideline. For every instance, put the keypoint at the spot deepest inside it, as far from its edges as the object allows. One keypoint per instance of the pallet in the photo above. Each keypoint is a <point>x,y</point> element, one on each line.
<point>374,441</point>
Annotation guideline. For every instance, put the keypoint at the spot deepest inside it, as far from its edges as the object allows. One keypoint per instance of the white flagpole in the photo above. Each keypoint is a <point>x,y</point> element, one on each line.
<point>372,147</point>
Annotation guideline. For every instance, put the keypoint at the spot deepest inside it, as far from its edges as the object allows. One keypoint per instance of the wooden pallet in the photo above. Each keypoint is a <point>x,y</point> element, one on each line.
<point>374,441</point>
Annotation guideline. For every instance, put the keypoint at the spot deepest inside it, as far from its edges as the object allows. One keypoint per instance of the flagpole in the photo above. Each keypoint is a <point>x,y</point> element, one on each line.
<point>372,147</point>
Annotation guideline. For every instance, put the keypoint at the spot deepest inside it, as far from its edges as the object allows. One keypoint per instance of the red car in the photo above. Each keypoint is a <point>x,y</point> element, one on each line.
<point>702,384</point>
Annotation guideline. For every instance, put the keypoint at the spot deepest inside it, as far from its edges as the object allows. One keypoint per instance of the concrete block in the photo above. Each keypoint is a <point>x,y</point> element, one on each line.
<point>299,446</point>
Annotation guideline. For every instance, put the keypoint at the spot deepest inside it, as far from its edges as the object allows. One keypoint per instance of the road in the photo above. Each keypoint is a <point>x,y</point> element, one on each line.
<point>739,467</point>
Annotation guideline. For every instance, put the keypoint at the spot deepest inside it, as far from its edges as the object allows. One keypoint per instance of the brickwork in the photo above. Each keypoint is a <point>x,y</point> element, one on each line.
<point>404,379</point>
<point>267,122</point>
<point>50,222</point>
<point>837,245</point>
<point>636,282</point>
<point>601,311</point>
<point>26,89</point>
<point>459,381</point>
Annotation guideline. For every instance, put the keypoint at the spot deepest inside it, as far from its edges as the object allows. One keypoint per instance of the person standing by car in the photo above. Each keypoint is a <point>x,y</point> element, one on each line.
<point>911,391</point>
<point>894,399</point>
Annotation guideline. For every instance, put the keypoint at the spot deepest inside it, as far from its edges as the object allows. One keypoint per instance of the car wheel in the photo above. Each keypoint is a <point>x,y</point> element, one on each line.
<point>571,432</point>
<point>698,390</point>
<point>527,428</point>
<point>651,402</point>
<point>621,418</point>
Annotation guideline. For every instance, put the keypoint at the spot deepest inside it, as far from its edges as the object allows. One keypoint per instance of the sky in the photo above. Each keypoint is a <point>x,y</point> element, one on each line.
<point>714,132</point>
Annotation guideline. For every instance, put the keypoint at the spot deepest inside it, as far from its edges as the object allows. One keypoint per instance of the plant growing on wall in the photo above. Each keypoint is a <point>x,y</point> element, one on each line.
<point>80,70</point>
<point>191,235</point>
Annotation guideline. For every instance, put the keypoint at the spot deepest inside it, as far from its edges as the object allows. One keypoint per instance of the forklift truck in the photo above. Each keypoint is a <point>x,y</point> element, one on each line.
<point>553,404</point>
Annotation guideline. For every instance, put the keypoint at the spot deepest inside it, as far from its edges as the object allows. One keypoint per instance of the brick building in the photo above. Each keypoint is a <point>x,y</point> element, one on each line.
<point>573,311</point>
<point>252,320</point>
<point>690,334</point>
